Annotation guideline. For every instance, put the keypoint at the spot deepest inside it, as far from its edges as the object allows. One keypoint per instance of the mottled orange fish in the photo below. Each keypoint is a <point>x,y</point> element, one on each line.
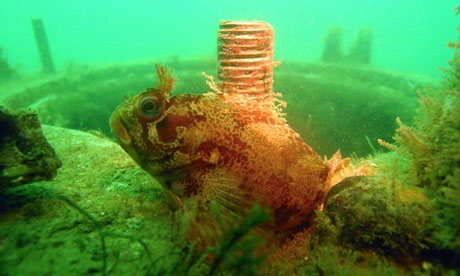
<point>223,149</point>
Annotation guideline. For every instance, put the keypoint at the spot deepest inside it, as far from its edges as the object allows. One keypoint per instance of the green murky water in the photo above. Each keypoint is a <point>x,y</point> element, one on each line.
<point>402,221</point>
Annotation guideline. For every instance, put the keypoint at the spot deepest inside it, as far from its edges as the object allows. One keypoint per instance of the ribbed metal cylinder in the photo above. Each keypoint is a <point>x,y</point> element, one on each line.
<point>245,54</point>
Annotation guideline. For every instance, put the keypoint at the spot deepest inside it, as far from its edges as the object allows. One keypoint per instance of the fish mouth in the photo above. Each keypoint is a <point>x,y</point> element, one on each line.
<point>119,129</point>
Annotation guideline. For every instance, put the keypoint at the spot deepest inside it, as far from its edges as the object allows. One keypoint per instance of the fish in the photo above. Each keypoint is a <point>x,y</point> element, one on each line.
<point>226,150</point>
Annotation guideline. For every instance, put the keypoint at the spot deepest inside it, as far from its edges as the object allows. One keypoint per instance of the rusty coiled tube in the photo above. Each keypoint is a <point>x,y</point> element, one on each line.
<point>245,55</point>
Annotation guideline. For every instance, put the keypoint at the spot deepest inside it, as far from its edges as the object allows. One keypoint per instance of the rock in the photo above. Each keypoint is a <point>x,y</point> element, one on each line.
<point>25,154</point>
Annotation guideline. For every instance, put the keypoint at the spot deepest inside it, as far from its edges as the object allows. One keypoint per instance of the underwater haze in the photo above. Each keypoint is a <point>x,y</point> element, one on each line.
<point>353,170</point>
<point>409,35</point>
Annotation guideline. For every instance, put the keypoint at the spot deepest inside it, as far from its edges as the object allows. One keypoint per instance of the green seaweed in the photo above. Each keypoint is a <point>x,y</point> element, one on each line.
<point>236,253</point>
<point>374,227</point>
<point>373,214</point>
<point>432,146</point>
<point>237,249</point>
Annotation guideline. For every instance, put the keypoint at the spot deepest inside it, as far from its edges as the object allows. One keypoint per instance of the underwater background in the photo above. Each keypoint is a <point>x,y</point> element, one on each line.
<point>371,78</point>
<point>409,35</point>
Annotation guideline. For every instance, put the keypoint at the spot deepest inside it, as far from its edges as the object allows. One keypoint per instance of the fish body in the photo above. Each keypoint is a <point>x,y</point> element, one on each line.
<point>223,148</point>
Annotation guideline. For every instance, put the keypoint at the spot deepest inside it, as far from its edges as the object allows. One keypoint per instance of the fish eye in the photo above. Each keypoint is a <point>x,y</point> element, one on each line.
<point>150,107</point>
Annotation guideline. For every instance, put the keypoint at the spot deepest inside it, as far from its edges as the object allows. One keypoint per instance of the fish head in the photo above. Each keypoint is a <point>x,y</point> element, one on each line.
<point>148,127</point>
<point>132,124</point>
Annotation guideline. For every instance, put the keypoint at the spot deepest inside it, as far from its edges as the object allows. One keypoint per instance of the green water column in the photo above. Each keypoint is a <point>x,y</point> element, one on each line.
<point>42,45</point>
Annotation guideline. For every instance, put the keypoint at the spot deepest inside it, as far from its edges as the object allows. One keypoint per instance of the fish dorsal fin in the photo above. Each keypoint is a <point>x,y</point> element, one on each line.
<point>220,205</point>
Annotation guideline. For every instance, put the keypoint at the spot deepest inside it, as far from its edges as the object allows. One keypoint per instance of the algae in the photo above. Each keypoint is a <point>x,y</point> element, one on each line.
<point>432,146</point>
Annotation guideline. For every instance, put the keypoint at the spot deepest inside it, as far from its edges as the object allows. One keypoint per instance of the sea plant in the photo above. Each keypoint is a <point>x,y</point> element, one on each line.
<point>432,146</point>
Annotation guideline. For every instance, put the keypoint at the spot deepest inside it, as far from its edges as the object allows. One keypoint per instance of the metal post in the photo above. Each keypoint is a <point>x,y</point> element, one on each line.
<point>42,45</point>
<point>245,54</point>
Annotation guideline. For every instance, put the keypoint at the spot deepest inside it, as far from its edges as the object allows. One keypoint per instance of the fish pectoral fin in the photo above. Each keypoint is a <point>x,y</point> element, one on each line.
<point>172,200</point>
<point>220,206</point>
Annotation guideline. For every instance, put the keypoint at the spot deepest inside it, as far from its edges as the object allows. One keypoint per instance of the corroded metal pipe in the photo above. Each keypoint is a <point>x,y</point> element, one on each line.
<point>42,45</point>
<point>245,55</point>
